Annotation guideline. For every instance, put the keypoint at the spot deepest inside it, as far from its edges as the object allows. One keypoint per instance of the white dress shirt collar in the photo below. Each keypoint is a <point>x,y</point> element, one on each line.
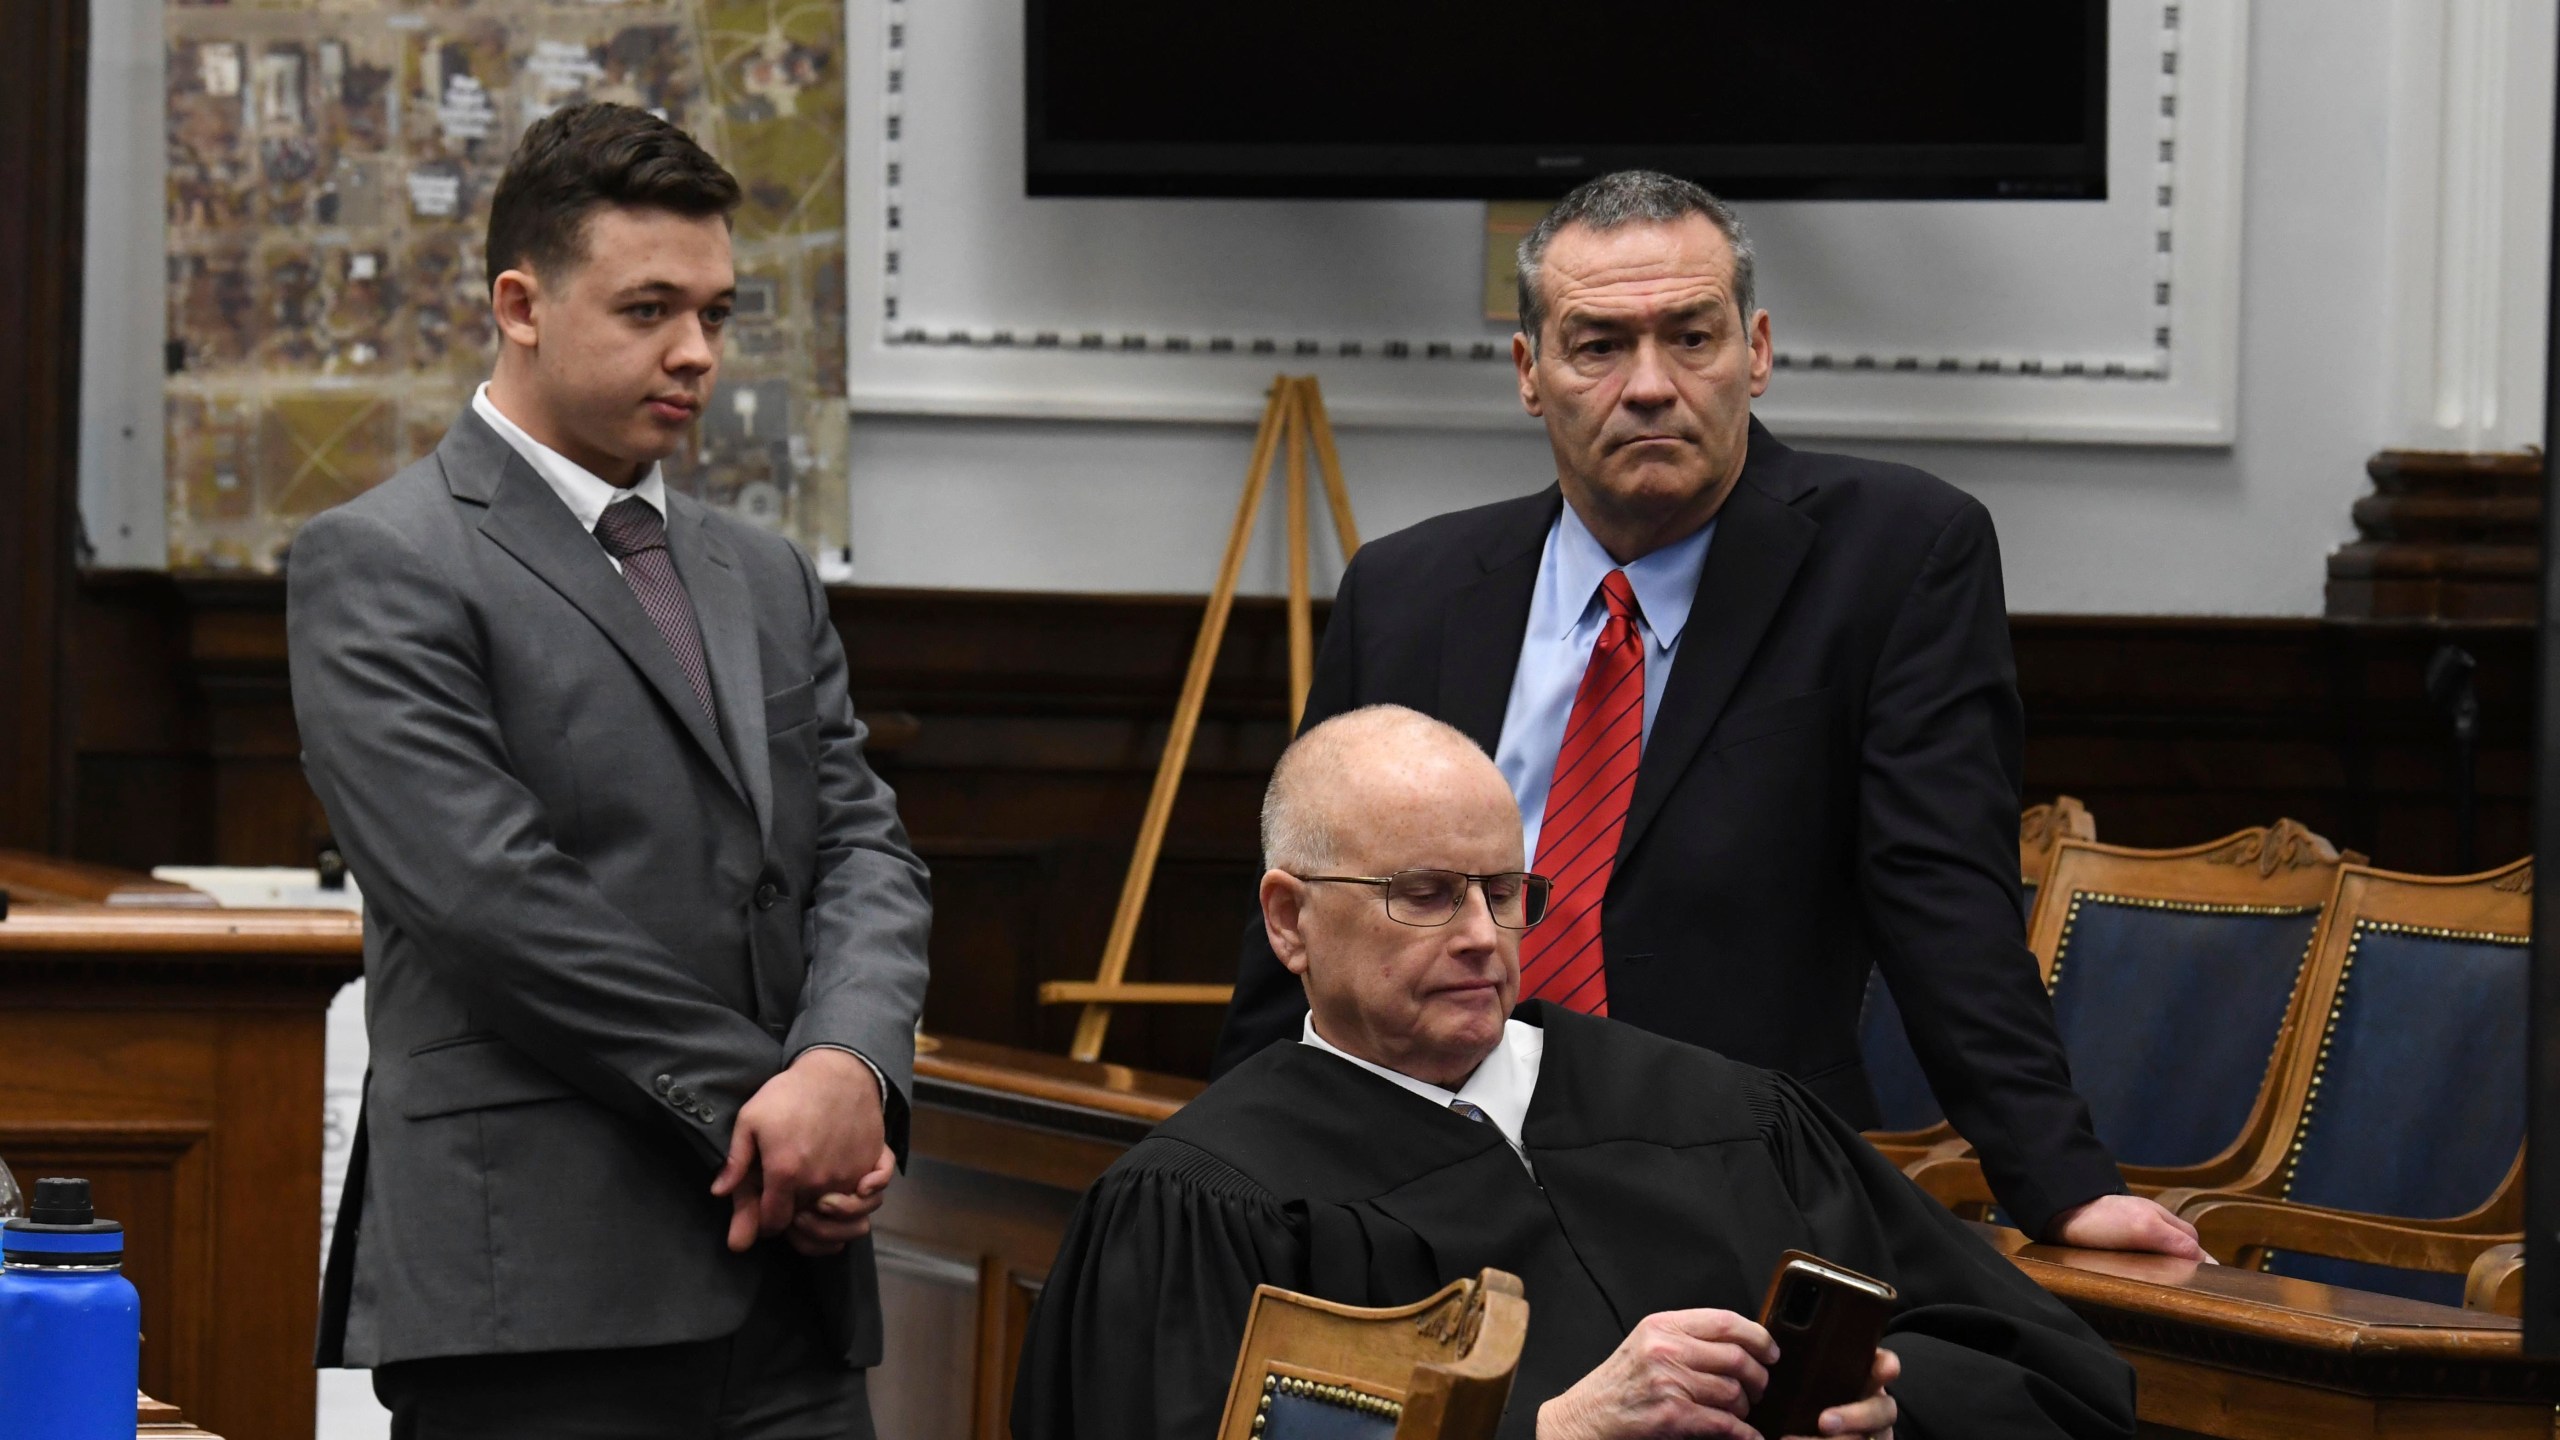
<point>582,490</point>
<point>1665,581</point>
<point>1501,1087</point>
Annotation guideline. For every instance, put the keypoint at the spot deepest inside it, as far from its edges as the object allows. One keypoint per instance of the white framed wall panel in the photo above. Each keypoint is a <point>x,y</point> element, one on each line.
<point>2112,321</point>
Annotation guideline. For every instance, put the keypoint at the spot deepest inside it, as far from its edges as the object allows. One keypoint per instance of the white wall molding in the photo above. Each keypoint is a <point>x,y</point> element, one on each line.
<point>945,323</point>
<point>2469,204</point>
<point>124,490</point>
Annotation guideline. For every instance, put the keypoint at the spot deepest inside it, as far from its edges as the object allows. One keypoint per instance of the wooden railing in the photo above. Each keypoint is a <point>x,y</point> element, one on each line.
<point>1006,1141</point>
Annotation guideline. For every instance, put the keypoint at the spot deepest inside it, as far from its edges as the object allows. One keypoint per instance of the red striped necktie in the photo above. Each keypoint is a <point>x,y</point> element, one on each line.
<point>1595,775</point>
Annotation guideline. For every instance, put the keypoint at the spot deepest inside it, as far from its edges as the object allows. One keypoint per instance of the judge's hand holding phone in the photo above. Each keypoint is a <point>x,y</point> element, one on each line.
<point>1697,1372</point>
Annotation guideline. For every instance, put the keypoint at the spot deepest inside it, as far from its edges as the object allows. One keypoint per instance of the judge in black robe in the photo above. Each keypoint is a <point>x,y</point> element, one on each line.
<point>1651,1180</point>
<point>1666,1178</point>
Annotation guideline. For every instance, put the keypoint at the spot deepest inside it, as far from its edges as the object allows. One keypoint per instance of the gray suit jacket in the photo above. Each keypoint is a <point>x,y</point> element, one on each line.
<point>595,923</point>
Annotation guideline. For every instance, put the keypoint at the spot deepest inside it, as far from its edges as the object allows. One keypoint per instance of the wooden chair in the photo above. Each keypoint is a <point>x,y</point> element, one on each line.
<point>1439,1369</point>
<point>2174,976</point>
<point>1913,1121</point>
<point>2399,1120</point>
<point>2496,1281</point>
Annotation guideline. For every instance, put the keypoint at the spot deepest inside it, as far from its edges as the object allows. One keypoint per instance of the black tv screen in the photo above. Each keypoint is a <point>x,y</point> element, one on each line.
<point>1923,99</point>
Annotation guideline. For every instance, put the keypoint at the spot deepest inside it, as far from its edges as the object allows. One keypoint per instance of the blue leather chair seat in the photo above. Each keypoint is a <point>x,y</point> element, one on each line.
<point>2418,1110</point>
<point>1301,1410</point>
<point>2170,1012</point>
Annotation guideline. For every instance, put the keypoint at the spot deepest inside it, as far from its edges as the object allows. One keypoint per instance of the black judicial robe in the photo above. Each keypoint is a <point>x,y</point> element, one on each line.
<point>1667,1177</point>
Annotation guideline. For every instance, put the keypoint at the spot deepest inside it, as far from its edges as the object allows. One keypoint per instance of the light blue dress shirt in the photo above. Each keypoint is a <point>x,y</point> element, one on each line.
<point>1566,615</point>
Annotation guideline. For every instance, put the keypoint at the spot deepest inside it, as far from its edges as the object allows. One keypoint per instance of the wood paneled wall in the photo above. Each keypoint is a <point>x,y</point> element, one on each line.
<point>1039,719</point>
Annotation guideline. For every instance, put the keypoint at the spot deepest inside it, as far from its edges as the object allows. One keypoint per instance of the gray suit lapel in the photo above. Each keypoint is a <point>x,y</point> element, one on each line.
<point>528,521</point>
<point>727,616</point>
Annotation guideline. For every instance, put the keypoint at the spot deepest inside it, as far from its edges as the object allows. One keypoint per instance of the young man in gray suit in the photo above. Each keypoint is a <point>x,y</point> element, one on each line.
<point>644,939</point>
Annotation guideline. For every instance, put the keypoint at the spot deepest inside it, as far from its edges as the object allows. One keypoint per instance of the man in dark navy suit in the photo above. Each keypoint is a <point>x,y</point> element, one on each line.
<point>1756,706</point>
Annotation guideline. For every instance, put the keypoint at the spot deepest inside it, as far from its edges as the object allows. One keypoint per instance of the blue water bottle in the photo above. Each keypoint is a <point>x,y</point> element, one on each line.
<point>70,1323</point>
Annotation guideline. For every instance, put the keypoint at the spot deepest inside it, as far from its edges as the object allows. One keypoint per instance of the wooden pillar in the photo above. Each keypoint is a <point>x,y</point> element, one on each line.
<point>2446,537</point>
<point>44,74</point>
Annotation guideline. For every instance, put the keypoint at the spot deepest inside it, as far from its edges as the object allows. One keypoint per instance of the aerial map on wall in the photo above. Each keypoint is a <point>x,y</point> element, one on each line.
<point>330,166</point>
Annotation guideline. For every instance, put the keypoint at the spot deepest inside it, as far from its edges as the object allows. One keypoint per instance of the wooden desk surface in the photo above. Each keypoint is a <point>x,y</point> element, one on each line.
<point>953,1071</point>
<point>159,1420</point>
<point>68,929</point>
<point>2230,1352</point>
<point>28,876</point>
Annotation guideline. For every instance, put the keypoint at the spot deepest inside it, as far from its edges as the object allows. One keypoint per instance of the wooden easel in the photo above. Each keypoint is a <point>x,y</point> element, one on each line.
<point>1295,417</point>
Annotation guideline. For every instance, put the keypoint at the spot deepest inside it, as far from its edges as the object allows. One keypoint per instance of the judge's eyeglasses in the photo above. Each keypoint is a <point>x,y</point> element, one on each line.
<point>1516,898</point>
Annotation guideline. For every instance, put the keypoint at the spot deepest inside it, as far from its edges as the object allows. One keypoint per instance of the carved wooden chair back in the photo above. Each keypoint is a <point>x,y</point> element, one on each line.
<point>2175,976</point>
<point>2041,831</point>
<point>2405,1099</point>
<point>1912,1118</point>
<point>1439,1369</point>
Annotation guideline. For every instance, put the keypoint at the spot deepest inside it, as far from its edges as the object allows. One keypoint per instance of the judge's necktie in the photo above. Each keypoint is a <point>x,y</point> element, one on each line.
<point>634,534</point>
<point>1586,809</point>
<point>1468,1109</point>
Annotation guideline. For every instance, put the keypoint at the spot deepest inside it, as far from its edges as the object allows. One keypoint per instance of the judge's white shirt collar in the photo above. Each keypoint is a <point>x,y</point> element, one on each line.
<point>582,490</point>
<point>1500,1087</point>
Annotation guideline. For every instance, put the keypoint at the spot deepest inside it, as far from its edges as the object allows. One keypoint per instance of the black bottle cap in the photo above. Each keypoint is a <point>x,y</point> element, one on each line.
<point>61,1202</point>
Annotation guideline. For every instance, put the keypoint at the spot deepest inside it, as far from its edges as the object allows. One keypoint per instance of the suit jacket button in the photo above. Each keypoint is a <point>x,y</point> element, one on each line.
<point>682,1097</point>
<point>665,1082</point>
<point>705,1114</point>
<point>766,894</point>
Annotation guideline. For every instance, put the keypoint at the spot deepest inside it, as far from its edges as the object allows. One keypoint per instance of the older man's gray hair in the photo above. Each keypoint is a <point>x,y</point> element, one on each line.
<point>1628,197</point>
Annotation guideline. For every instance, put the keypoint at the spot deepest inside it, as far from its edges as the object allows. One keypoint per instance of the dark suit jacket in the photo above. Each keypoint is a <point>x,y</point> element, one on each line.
<point>595,922</point>
<point>1831,785</point>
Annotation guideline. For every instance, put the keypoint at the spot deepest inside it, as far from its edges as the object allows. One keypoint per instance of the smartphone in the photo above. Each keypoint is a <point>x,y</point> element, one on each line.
<point>1826,1321</point>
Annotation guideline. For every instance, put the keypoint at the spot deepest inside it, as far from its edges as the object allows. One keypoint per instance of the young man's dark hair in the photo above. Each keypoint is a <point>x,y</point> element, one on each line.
<point>583,156</point>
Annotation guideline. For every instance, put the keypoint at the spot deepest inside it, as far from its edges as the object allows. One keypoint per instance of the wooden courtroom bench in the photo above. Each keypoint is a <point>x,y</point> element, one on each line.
<point>2231,1352</point>
<point>173,1055</point>
<point>1006,1140</point>
<point>1004,1143</point>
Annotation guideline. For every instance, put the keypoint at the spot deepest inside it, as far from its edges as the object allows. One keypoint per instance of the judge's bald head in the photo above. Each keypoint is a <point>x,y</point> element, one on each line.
<point>1371,793</point>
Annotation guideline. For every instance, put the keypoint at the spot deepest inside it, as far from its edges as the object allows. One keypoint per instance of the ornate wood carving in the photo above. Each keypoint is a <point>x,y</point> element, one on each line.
<point>1446,1322</point>
<point>2041,827</point>
<point>2520,883</point>
<point>2285,845</point>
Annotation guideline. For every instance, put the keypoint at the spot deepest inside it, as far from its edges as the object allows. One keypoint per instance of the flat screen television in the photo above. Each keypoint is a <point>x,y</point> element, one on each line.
<point>1763,99</point>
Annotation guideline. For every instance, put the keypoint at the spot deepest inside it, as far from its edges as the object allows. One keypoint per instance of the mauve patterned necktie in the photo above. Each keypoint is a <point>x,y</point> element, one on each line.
<point>634,534</point>
<point>1595,776</point>
<point>1469,1109</point>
